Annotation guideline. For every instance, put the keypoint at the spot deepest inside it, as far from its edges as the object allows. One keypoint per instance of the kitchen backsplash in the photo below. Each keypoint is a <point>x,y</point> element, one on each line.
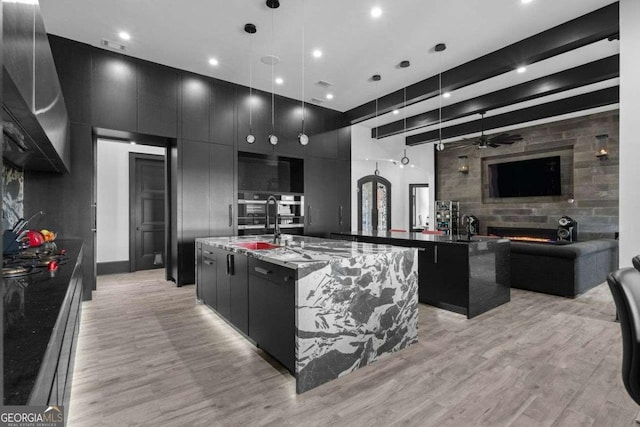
<point>12,195</point>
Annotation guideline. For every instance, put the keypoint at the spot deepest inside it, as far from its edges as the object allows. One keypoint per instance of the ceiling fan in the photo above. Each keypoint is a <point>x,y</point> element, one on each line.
<point>485,141</point>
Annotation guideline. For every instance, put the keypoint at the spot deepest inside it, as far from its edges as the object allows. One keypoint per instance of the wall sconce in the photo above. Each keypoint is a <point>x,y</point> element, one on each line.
<point>463,164</point>
<point>602,149</point>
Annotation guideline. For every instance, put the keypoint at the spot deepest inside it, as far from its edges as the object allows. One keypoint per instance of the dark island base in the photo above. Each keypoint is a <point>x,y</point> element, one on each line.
<point>465,277</point>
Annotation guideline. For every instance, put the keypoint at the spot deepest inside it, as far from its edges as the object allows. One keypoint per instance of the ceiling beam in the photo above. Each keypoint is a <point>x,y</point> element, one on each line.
<point>593,72</point>
<point>590,28</point>
<point>582,102</point>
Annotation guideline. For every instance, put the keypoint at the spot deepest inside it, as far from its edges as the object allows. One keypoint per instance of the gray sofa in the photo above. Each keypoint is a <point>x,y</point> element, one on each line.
<point>564,270</point>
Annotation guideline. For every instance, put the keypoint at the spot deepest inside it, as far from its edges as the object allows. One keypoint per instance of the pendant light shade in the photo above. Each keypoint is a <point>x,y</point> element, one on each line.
<point>440,47</point>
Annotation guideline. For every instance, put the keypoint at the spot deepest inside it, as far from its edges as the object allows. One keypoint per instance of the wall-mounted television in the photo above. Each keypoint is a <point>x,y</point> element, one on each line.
<point>526,178</point>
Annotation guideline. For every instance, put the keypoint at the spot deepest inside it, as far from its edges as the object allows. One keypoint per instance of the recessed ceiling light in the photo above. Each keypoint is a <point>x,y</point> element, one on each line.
<point>329,96</point>
<point>317,53</point>
<point>413,166</point>
<point>376,12</point>
<point>526,1</point>
<point>213,61</point>
<point>446,95</point>
<point>279,80</point>
<point>124,35</point>
<point>396,111</point>
<point>522,69</point>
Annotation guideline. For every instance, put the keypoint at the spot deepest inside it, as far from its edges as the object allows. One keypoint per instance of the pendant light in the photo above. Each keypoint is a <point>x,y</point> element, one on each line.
<point>250,29</point>
<point>405,160</point>
<point>376,172</point>
<point>302,137</point>
<point>440,47</point>
<point>273,139</point>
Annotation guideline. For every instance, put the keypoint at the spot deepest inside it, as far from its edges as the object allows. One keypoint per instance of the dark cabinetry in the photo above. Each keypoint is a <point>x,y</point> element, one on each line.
<point>445,269</point>
<point>272,310</point>
<point>327,195</point>
<point>206,204</point>
<point>157,99</point>
<point>114,92</point>
<point>223,113</point>
<point>223,285</point>
<point>196,98</point>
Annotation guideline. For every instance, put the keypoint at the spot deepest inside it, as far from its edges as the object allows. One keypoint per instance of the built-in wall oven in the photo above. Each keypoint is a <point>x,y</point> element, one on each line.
<point>253,208</point>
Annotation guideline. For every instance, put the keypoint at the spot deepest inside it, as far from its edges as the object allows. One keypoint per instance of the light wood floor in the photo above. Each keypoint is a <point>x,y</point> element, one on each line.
<point>148,355</point>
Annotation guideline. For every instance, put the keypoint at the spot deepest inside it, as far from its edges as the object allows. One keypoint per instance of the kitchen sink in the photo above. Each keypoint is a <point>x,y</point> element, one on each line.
<point>256,246</point>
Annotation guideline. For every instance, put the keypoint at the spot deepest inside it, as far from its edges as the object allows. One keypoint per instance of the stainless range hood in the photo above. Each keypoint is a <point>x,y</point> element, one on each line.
<point>33,108</point>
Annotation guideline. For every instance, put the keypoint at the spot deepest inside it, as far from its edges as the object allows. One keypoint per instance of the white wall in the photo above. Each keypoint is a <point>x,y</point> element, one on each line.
<point>112,237</point>
<point>629,130</point>
<point>364,147</point>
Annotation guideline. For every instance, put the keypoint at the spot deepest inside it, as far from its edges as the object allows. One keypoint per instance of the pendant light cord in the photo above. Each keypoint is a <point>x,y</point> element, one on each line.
<point>250,84</point>
<point>273,65</point>
<point>303,53</point>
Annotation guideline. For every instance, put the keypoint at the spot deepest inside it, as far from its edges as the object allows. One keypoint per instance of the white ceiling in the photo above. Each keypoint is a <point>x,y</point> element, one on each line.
<point>186,34</point>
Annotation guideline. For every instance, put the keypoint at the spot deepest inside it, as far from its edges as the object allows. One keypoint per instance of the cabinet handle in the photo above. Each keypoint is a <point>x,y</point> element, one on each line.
<point>208,262</point>
<point>230,263</point>
<point>309,214</point>
<point>208,252</point>
<point>340,215</point>
<point>422,249</point>
<point>435,255</point>
<point>230,215</point>
<point>288,278</point>
<point>262,270</point>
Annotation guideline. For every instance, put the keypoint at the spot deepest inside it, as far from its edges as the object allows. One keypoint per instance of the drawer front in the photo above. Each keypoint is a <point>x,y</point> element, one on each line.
<point>274,273</point>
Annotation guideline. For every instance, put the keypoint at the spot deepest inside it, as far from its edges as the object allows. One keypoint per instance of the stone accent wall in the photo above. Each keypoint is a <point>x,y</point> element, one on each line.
<point>592,184</point>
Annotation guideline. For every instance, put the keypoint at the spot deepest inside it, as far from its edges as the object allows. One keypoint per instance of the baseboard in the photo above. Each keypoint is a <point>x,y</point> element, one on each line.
<point>113,267</point>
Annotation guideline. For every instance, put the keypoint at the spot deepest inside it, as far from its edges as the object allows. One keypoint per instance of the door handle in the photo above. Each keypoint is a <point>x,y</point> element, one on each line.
<point>435,255</point>
<point>230,215</point>
<point>262,270</point>
<point>230,265</point>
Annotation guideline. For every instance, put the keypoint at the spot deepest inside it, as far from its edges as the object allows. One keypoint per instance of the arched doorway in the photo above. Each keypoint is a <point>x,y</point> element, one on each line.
<point>374,203</point>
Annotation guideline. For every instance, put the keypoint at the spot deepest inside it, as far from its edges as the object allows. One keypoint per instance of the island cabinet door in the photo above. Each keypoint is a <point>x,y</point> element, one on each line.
<point>239,292</point>
<point>272,310</point>
<point>443,274</point>
<point>223,275</point>
<point>208,275</point>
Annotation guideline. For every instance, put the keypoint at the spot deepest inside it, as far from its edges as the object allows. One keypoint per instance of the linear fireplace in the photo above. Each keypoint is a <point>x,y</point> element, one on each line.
<point>541,235</point>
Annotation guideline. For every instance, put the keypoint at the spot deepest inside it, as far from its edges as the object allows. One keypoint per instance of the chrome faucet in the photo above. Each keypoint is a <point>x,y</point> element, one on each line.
<point>276,225</point>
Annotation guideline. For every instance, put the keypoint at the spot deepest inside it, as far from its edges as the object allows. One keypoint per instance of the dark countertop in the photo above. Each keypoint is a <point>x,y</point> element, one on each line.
<point>31,310</point>
<point>420,237</point>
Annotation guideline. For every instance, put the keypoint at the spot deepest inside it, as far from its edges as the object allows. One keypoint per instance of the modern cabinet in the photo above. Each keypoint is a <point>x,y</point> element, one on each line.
<point>445,269</point>
<point>327,196</point>
<point>272,310</point>
<point>157,99</point>
<point>222,284</point>
<point>208,277</point>
<point>114,92</point>
<point>196,103</point>
<point>223,113</point>
<point>206,201</point>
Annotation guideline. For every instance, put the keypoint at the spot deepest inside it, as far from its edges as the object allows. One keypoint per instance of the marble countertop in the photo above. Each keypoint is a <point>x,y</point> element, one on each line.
<point>300,251</point>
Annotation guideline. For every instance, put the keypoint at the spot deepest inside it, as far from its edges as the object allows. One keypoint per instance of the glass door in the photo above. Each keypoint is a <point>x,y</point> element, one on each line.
<point>374,203</point>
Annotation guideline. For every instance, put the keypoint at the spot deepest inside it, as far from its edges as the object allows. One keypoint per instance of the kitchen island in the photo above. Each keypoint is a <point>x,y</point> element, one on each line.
<point>466,276</point>
<point>323,308</point>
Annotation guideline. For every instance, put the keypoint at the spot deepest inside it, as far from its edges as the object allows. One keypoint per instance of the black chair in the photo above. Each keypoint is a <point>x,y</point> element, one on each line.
<point>636,262</point>
<point>625,288</point>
